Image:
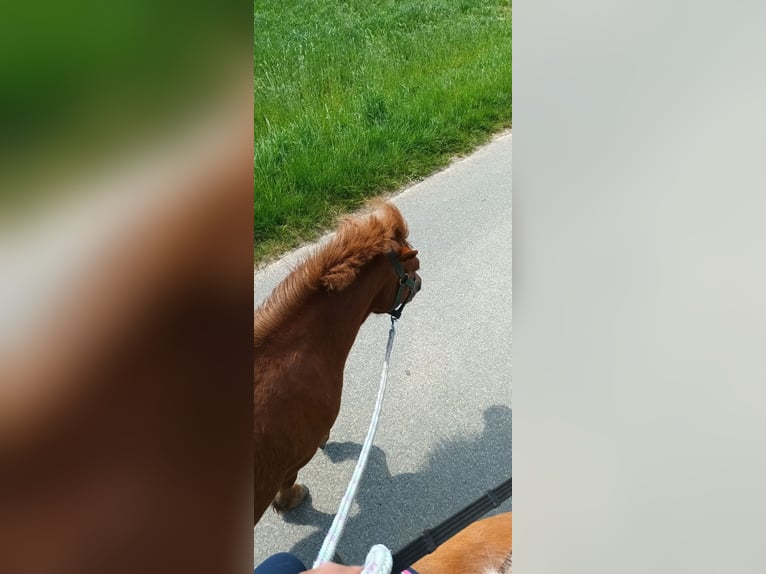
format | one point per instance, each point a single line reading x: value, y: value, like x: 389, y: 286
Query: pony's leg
x: 290, y: 495
x: 325, y: 438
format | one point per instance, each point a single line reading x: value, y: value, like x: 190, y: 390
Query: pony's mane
x: 505, y: 568
x: 335, y: 265
x: 478, y: 563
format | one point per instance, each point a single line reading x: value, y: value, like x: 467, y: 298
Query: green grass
x: 85, y: 83
x: 356, y: 98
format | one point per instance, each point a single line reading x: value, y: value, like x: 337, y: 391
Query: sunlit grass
x: 356, y: 98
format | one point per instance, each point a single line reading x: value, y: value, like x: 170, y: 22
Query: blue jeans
x: 286, y: 563
x: 282, y: 563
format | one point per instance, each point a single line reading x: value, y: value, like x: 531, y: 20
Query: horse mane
x: 505, y: 568
x: 478, y: 563
x: 334, y: 266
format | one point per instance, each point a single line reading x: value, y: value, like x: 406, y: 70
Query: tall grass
x: 354, y: 98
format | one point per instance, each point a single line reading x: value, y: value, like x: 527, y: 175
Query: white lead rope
x: 379, y: 555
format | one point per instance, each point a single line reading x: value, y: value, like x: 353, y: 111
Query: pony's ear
x: 405, y: 253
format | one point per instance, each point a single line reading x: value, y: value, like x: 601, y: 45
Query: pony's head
x: 374, y: 245
x: 376, y: 239
x: 404, y: 283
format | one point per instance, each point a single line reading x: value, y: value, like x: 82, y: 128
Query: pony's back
x: 483, y: 547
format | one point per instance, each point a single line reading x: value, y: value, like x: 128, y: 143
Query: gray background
x: 445, y: 433
x: 639, y: 287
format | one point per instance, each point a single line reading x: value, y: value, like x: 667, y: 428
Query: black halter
x: 404, y: 281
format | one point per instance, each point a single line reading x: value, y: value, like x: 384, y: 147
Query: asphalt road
x: 444, y: 436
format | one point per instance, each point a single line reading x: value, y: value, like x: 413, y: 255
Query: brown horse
x: 483, y: 547
x: 302, y: 336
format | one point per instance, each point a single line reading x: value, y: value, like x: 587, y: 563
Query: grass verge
x: 356, y: 98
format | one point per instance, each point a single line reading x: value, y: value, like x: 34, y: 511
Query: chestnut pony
x: 483, y: 547
x: 303, y: 334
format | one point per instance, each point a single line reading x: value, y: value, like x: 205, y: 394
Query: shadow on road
x: 393, y: 510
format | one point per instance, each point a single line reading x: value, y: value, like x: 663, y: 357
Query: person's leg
x: 282, y: 563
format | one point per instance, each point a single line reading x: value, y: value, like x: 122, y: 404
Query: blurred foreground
x: 125, y: 289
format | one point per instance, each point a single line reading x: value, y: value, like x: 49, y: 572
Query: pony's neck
x: 339, y: 316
